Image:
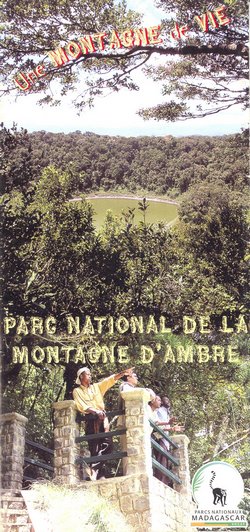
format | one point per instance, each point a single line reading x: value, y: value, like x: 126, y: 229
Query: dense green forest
x: 162, y: 165
x: 55, y: 263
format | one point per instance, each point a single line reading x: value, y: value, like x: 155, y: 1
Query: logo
x: 218, y: 489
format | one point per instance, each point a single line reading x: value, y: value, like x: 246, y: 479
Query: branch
x: 239, y: 50
x: 229, y: 446
x: 152, y: 112
x: 224, y: 425
x: 214, y: 111
x: 213, y: 89
x: 233, y: 443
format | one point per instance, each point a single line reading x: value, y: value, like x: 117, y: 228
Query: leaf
x: 198, y: 479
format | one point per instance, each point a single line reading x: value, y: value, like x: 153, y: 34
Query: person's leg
x: 163, y: 460
x: 166, y: 463
x: 98, y: 447
x: 157, y: 472
x: 90, y: 428
x: 105, y: 447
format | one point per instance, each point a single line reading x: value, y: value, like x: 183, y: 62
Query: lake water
x: 156, y: 212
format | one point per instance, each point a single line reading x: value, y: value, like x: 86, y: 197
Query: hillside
x: 163, y: 165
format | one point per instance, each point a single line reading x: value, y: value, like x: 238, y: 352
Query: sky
x: 116, y: 114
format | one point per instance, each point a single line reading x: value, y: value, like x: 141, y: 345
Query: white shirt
x: 126, y: 387
x: 163, y: 415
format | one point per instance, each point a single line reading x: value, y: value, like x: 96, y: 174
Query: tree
x: 31, y: 30
x: 64, y: 271
x: 208, y: 67
x: 18, y: 173
x: 211, y: 250
x: 216, y: 229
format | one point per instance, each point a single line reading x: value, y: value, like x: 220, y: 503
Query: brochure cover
x: 124, y: 211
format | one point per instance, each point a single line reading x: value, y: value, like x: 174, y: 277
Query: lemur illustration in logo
x: 220, y: 495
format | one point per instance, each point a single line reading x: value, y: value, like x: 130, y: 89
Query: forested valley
x: 162, y: 165
x: 55, y: 263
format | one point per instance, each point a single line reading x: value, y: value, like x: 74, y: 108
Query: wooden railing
x: 37, y: 462
x: 115, y: 455
x: 156, y: 465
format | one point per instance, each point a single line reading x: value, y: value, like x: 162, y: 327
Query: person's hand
x: 101, y: 415
x: 128, y: 371
x: 121, y: 374
x: 164, y: 425
x: 179, y: 428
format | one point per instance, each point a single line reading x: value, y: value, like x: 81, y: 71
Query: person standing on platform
x: 89, y: 399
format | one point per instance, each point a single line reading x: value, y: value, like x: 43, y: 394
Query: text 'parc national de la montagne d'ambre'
x: 87, y: 334
x: 90, y: 45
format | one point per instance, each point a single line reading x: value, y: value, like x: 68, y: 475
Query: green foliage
x: 33, y: 391
x: 208, y: 67
x: 163, y: 165
x: 204, y: 73
x: 55, y: 262
x: 29, y: 31
x: 212, y: 234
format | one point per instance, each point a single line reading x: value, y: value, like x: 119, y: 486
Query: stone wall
x: 147, y: 504
x: 65, y: 449
x: 169, y: 508
x: 137, y: 439
x: 14, y: 514
x: 12, y: 430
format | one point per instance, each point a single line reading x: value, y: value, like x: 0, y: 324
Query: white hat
x: 152, y: 394
x: 80, y: 371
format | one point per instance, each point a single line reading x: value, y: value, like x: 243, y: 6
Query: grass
x: 74, y: 508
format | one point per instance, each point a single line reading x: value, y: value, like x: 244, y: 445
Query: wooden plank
x: 102, y: 458
x: 83, y: 417
x: 166, y: 471
x: 39, y: 446
x: 38, y: 463
x: 115, y: 412
x: 163, y: 434
x: 164, y: 452
x: 100, y: 435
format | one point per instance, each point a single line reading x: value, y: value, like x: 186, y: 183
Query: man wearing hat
x: 89, y: 400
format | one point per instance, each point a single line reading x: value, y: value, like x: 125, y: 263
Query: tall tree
x: 209, y: 50
x: 211, y: 60
x: 211, y: 243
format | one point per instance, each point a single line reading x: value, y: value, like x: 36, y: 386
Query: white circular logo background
x: 217, y: 485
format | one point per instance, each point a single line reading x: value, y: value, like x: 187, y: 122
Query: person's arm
x: 83, y: 406
x: 105, y: 384
x: 100, y: 413
x: 128, y: 371
x: 164, y: 424
x: 177, y: 428
x: 172, y: 420
x: 79, y: 401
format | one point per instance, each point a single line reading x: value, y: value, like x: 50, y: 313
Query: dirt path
x: 107, y: 196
